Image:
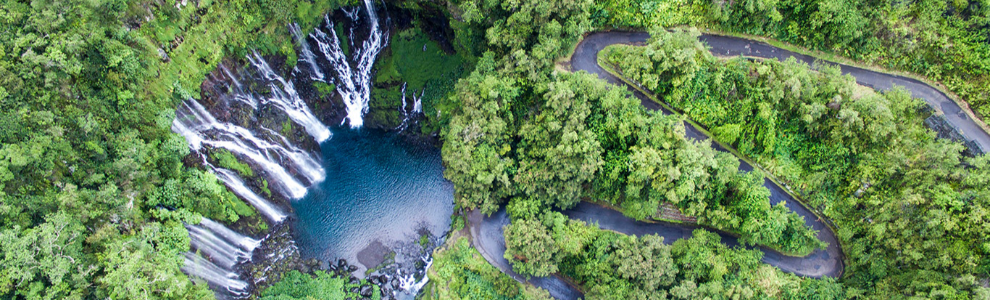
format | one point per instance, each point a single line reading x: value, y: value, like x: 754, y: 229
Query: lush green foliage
x: 945, y: 41
x: 93, y: 189
x: 227, y: 160
x: 460, y: 272
x: 648, y: 162
x: 321, y: 285
x: 909, y: 207
x: 530, y: 248
x: 543, y: 138
x: 487, y: 108
x: 615, y: 266
x: 431, y: 74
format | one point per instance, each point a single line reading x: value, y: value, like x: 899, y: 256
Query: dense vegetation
x: 945, y: 41
x: 544, y: 138
x: 615, y: 266
x: 319, y: 285
x: 909, y: 207
x: 460, y: 272
x: 93, y: 188
x: 424, y: 68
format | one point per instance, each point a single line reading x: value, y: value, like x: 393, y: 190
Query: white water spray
x: 245, y: 243
x: 237, y: 186
x: 353, y: 83
x: 307, y: 54
x: 285, y: 97
x: 223, y: 252
x: 408, y: 282
x: 418, y: 101
x: 225, y: 249
x: 202, y: 268
x: 416, y: 109
x: 197, y: 125
x: 403, y: 109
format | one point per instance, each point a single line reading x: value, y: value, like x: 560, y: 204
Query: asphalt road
x: 733, y: 46
x: 487, y: 232
x: 827, y: 262
x: 487, y: 236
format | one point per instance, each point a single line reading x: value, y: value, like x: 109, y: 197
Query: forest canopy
x: 909, y: 207
x: 943, y: 41
x: 93, y: 187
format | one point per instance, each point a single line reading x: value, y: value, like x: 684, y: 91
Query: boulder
x: 366, y: 291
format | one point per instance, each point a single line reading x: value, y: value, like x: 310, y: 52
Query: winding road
x: 487, y: 230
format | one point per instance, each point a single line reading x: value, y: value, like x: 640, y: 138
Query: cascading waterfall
x: 403, y: 109
x: 223, y: 252
x: 228, y: 280
x: 237, y: 185
x: 219, y: 254
x: 418, y: 102
x: 289, y: 168
x: 225, y: 249
x: 245, y: 243
x: 197, y: 124
x: 307, y: 54
x: 286, y: 98
x: 353, y: 82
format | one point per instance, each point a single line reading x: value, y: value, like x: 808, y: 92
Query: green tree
x: 476, y: 147
x: 646, y: 260
x: 296, y: 285
x: 559, y: 155
x: 530, y: 248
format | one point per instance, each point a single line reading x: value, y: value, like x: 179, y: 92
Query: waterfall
x: 408, y: 282
x: 418, y: 101
x: 351, y: 13
x: 213, y: 274
x: 353, y: 76
x: 405, y: 114
x: 307, y: 54
x: 197, y: 125
x: 285, y: 97
x: 245, y: 243
x: 221, y: 251
x: 416, y: 109
x: 225, y: 249
x: 403, y: 109
x: 237, y: 186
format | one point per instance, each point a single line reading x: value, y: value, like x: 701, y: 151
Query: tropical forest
x: 494, y: 149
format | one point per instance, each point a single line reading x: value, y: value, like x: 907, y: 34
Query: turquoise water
x: 378, y: 188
